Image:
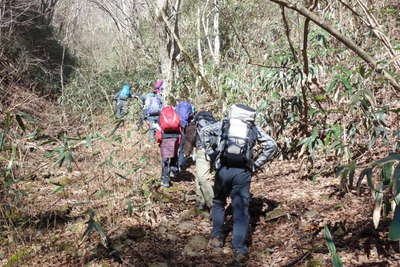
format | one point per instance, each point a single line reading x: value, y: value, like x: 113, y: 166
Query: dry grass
x: 45, y: 228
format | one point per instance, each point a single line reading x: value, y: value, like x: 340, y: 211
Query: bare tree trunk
x: 213, y: 41
x: 188, y: 58
x: 199, y: 52
x: 306, y: 71
x: 217, y: 43
x: 169, y: 50
x: 287, y: 31
x: 205, y: 23
x: 173, y: 47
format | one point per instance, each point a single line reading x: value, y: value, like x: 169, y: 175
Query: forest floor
x: 111, y: 211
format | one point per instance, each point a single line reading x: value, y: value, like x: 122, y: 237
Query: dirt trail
x: 118, y: 178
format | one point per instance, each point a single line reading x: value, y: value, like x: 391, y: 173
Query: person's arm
x: 206, y: 133
x: 268, y: 145
x: 190, y: 139
x: 116, y: 96
x: 143, y: 98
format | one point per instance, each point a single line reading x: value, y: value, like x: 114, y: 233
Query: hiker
x: 204, y: 190
x: 160, y: 86
x: 121, y: 99
x: 169, y: 138
x: 234, y: 164
x: 152, y: 105
x: 185, y: 110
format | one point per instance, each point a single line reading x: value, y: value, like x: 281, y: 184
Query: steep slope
x: 136, y: 223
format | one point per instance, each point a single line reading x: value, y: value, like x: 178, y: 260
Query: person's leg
x: 200, y: 201
x: 181, y: 155
x: 240, y: 203
x: 204, y: 190
x: 125, y: 108
x: 119, y: 107
x: 173, y: 166
x: 222, y: 188
x: 153, y: 122
x: 165, y: 171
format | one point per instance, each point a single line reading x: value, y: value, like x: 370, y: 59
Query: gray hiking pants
x: 121, y: 109
x: 153, y: 127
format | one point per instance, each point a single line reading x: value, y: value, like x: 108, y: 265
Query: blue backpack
x: 125, y: 92
x: 185, y: 111
x: 153, y: 105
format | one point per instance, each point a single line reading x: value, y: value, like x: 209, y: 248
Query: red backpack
x: 169, y: 120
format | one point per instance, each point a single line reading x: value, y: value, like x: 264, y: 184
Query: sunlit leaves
x: 93, y: 225
x: 59, y: 189
x: 388, y: 181
x: 129, y: 208
x: 347, y: 176
x: 63, y: 153
x: 332, y: 248
x: 376, y: 215
x: 311, y: 143
x: 394, y: 228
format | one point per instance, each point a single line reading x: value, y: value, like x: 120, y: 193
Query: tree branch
x: 346, y: 41
x: 287, y: 31
x: 189, y: 59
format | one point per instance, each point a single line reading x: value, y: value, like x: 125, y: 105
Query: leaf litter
x: 137, y: 223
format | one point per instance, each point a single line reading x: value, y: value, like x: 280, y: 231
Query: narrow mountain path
x: 135, y: 222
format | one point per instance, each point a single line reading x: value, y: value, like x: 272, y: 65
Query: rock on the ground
x: 185, y: 227
x: 195, y: 245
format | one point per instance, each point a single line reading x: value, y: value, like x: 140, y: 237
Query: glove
x: 209, y: 151
x: 256, y: 168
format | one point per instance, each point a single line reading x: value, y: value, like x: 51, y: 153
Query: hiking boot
x: 239, y: 258
x: 216, y: 242
x: 174, y: 172
x: 165, y: 184
x: 200, y: 206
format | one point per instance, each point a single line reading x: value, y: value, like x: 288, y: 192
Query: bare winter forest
x: 78, y: 188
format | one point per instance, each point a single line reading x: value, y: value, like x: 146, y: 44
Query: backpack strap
x: 170, y: 135
x: 252, y: 135
x: 225, y: 128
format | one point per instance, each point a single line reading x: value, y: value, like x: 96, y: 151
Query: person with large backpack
x: 168, y: 137
x: 204, y: 190
x: 121, y: 101
x: 152, y: 105
x: 235, y: 163
x: 185, y: 110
